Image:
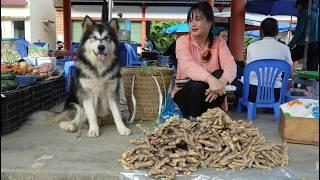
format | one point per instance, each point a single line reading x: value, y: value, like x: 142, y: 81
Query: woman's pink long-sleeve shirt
x: 190, y: 65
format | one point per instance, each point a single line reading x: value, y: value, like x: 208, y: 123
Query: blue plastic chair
x: 267, y: 71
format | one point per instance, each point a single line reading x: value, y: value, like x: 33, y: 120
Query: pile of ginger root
x: 214, y: 140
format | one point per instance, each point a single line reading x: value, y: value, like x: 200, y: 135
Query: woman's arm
x: 186, y: 64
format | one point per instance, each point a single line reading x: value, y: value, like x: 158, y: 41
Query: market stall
x: 28, y: 83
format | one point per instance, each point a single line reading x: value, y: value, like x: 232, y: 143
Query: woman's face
x: 198, y: 24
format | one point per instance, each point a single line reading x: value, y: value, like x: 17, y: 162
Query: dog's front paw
x: 93, y: 132
x: 124, y: 131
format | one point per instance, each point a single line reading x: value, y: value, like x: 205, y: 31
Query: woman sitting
x: 206, y: 61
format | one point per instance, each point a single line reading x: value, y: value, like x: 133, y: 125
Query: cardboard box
x: 299, y: 130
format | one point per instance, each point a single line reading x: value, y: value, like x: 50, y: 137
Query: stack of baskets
x: 145, y: 89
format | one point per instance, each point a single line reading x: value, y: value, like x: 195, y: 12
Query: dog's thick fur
x: 96, y: 84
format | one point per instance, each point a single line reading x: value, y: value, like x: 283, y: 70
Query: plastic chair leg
x: 251, y: 111
x: 276, y: 110
x: 240, y: 107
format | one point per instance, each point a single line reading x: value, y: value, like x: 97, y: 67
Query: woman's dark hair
x: 206, y: 9
x: 269, y: 27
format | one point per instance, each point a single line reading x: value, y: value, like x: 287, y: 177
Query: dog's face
x: 99, y: 41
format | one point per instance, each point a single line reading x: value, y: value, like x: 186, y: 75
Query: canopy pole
x: 237, y: 29
x: 144, y: 26
x: 306, y: 43
x: 110, y: 10
x: 67, y: 24
x: 289, y: 31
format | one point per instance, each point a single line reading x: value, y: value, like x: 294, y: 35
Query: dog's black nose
x: 101, y: 47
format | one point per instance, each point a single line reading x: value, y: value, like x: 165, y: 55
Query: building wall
x: 133, y: 13
x: 169, y: 13
x: 130, y: 11
x: 28, y: 30
x: 19, y: 11
x: 10, y: 14
x: 7, y: 29
x: 41, y: 10
x: 59, y: 24
x: 32, y: 14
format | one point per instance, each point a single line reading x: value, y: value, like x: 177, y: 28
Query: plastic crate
x: 26, y: 80
x: 13, y: 106
x: 46, y: 94
x: 18, y: 104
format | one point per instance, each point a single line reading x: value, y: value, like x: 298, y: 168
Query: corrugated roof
x: 141, y: 2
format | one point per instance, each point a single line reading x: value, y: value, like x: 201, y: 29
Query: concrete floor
x: 41, y: 150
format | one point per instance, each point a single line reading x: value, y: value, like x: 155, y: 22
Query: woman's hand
x: 211, y: 96
x: 217, y: 86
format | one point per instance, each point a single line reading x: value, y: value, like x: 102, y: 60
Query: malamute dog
x: 96, y: 84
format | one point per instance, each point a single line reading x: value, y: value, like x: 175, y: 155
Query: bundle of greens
x: 10, y: 56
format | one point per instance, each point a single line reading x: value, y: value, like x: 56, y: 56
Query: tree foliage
x: 161, y: 40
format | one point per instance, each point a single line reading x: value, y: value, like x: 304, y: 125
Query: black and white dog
x: 96, y: 84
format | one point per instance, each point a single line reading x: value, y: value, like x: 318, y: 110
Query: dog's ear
x: 114, y: 25
x: 87, y: 23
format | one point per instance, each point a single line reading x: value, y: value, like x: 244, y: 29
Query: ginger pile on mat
x: 215, y: 141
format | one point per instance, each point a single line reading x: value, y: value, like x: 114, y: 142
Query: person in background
x: 59, y: 47
x: 266, y: 48
x: 204, y: 60
x: 297, y: 42
x: 171, y: 52
x: 221, y: 32
x: 151, y: 45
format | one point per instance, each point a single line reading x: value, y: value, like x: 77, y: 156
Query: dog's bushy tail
x: 52, y: 117
x: 44, y: 117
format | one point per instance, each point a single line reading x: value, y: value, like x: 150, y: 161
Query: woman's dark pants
x: 191, y: 99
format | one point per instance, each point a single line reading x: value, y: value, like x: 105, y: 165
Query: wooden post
x: 144, y: 27
x: 67, y: 24
x: 237, y: 29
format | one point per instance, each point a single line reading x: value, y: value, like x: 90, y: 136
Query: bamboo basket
x: 145, y: 89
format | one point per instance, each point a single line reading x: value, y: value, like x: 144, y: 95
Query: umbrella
x: 272, y: 7
x: 251, y: 19
x: 282, y: 7
x: 177, y: 29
